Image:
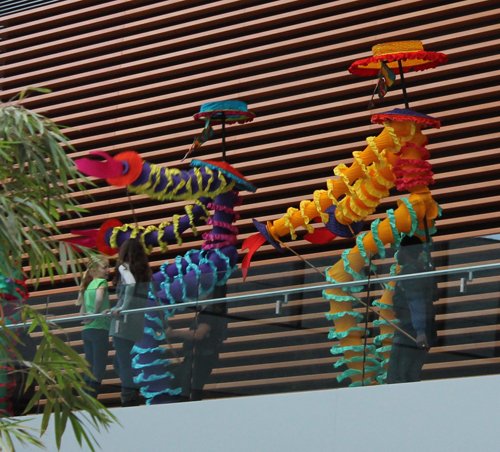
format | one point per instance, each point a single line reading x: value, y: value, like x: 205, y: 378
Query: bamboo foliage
x: 35, y: 193
x: 57, y: 371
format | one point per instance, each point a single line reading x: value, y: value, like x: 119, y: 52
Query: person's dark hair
x: 132, y: 253
x: 411, y: 246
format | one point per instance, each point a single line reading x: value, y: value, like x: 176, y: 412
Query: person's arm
x: 415, y: 293
x: 129, y: 280
x: 99, y: 299
x: 189, y: 335
x: 126, y: 274
x: 418, y: 318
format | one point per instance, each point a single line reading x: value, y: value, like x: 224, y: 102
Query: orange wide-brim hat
x: 411, y: 54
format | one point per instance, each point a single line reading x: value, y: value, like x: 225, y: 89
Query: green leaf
x: 77, y: 428
x: 63, y: 256
x: 8, y: 442
x: 47, y: 411
x: 57, y: 424
x: 15, y: 429
x: 71, y: 258
x: 65, y: 412
x: 34, y: 400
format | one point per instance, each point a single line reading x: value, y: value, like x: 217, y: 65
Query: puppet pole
x: 358, y: 299
x: 223, y: 136
x: 403, y: 86
x: 366, y: 317
x: 385, y: 318
x: 131, y: 204
x: 303, y: 259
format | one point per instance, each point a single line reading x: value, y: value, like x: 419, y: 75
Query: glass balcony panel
x: 465, y: 308
x: 278, y: 342
x: 278, y: 333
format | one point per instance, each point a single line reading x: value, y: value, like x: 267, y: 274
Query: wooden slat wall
x: 128, y: 76
x: 16, y: 6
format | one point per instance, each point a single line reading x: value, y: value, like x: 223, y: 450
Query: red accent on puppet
x: 253, y: 243
x: 86, y: 237
x: 226, y: 167
x: 133, y: 164
x: 102, y: 246
x: 320, y: 236
x: 97, y: 168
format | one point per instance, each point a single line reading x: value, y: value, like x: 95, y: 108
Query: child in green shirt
x: 94, y: 299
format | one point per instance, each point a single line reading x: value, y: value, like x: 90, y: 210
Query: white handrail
x: 285, y: 292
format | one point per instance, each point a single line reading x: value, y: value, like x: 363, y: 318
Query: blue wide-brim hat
x: 339, y: 229
x: 229, y: 111
x: 263, y: 230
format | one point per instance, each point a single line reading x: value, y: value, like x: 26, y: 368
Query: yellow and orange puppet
x: 396, y: 157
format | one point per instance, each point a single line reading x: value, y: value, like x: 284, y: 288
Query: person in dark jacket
x: 201, y: 347
x: 413, y: 305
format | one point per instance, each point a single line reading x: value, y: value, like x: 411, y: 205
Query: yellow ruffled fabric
x: 349, y: 211
x: 161, y: 231
x: 145, y: 232
x: 340, y: 171
x: 370, y: 175
x: 330, y: 183
x: 175, y: 221
x: 142, y: 232
x: 317, y: 196
x: 189, y: 211
x: 172, y: 189
x: 116, y: 230
x: 288, y: 223
x: 303, y: 206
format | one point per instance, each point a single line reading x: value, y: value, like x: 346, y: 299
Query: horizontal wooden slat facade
x: 16, y: 6
x: 125, y: 75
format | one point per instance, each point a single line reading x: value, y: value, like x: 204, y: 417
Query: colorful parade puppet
x: 397, y: 157
x: 13, y: 293
x: 213, y: 186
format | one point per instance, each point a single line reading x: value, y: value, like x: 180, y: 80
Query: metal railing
x: 469, y: 271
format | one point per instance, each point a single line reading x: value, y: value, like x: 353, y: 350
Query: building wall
x: 410, y: 417
x: 125, y: 75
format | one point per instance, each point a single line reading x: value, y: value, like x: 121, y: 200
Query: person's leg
x: 405, y: 363
x: 398, y: 361
x: 88, y: 348
x: 123, y: 359
x: 96, y: 345
x: 116, y: 362
x: 182, y: 377
x: 202, y: 368
x: 417, y: 359
x: 101, y: 347
x: 394, y: 371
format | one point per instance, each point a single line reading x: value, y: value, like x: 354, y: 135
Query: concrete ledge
x: 445, y: 415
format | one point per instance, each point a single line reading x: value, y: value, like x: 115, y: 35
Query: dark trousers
x: 123, y: 367
x: 406, y: 362
x: 193, y: 373
x: 96, y: 346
